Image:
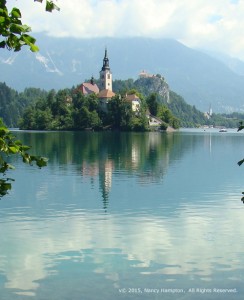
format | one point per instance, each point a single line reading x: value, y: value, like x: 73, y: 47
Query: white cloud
x: 28, y: 257
x: 216, y: 25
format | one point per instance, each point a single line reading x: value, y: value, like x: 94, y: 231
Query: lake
x: 125, y: 216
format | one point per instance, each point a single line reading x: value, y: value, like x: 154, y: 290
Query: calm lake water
x: 125, y: 216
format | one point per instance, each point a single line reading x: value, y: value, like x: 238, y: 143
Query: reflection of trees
x: 99, y: 154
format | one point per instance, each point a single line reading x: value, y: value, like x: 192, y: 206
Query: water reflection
x: 107, y: 155
x: 189, y: 249
x: 170, y: 217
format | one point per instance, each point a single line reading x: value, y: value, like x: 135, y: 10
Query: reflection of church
x: 105, y: 180
x: 103, y: 168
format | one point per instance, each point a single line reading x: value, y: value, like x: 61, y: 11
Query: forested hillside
x: 12, y: 103
x: 69, y: 109
x: 62, y: 62
x: 188, y: 115
x: 39, y: 109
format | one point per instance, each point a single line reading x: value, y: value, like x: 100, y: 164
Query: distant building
x: 105, y: 74
x: 104, y: 96
x: 134, y: 101
x: 209, y: 113
x: 106, y: 87
x: 87, y: 88
x: 106, y: 84
x: 144, y: 74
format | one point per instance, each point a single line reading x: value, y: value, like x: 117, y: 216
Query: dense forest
x: 70, y: 110
x: 13, y: 104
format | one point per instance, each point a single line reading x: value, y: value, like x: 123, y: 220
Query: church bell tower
x: 105, y: 74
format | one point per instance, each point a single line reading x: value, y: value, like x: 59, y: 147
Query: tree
x: 152, y: 104
x: 166, y: 115
x: 9, y: 146
x: 14, y: 33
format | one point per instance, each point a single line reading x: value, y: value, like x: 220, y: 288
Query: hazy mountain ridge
x: 201, y: 79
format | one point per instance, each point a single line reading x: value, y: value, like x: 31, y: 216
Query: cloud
x: 28, y: 257
x: 214, y: 25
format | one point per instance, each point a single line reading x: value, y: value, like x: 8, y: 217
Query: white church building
x: 106, y: 87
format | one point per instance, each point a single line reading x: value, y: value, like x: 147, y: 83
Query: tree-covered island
x: 144, y: 104
x: 129, y: 105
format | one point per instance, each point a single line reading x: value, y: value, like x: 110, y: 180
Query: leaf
x: 240, y: 162
x: 50, y: 6
x: 2, y: 44
x: 26, y: 158
x: 241, y: 126
x: 34, y: 48
x: 10, y: 167
x: 15, y: 13
x: 28, y: 38
x: 25, y: 148
x: 41, y: 161
x: 30, y: 41
x: 3, y: 130
x: 14, y: 149
x: 17, y: 28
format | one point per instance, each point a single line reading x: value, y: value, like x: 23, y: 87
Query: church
x: 105, y: 93
x: 106, y: 82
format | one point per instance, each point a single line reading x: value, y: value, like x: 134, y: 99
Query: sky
x: 214, y: 25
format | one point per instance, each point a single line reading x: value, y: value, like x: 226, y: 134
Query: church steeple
x: 105, y: 61
x: 105, y: 73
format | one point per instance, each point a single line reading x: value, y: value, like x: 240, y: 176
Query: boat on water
x: 223, y: 130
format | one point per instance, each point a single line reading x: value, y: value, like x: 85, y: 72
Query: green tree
x: 167, y: 117
x: 43, y: 119
x: 14, y: 33
x: 10, y: 146
x: 28, y: 119
x: 139, y: 122
x: 152, y: 104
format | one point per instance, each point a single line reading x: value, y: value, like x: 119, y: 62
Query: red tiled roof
x: 88, y: 88
x: 132, y: 97
x: 106, y: 94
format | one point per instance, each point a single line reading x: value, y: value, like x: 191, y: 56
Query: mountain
x: 235, y: 64
x: 199, y: 78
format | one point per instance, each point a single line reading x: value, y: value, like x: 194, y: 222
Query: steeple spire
x: 105, y: 73
x: 105, y: 61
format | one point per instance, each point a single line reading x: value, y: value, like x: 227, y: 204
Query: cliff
x: 153, y: 84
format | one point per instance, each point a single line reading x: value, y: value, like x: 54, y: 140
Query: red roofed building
x: 134, y: 101
x: 106, y: 82
x: 104, y: 96
x: 87, y: 88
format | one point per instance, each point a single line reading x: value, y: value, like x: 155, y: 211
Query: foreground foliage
x: 241, y: 127
x: 14, y: 33
x: 10, y: 146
